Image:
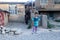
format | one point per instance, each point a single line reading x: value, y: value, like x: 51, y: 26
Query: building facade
x: 49, y: 7
x: 17, y: 11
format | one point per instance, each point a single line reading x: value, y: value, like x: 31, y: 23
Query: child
x: 35, y: 21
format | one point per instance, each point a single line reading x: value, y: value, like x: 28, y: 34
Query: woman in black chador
x: 27, y: 15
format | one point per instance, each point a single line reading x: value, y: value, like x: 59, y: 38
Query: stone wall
x: 44, y: 21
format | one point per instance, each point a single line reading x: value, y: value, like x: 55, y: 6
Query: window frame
x: 43, y: 2
x: 13, y: 8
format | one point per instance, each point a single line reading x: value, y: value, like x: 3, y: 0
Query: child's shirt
x: 36, y: 21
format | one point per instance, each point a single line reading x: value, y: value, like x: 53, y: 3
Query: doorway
x: 51, y: 15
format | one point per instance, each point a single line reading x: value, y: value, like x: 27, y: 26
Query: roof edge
x: 12, y: 2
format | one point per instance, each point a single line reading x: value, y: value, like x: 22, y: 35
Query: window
x: 57, y: 2
x: 13, y: 8
x: 43, y: 2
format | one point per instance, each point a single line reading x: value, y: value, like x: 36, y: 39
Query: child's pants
x: 35, y: 29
